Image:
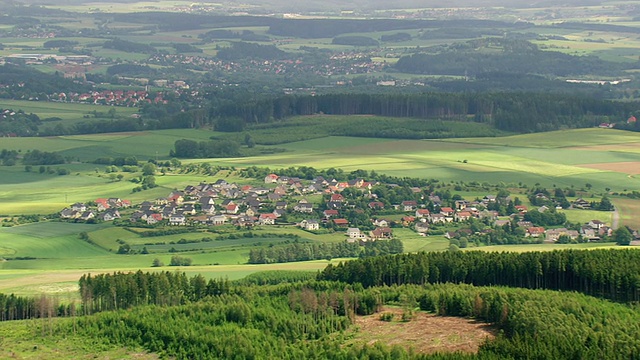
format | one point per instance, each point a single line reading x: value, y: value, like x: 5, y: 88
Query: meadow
x: 603, y: 158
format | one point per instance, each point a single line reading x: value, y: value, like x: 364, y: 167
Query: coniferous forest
x: 542, y: 305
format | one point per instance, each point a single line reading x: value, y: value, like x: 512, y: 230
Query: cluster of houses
x: 343, y: 63
x: 221, y: 202
x: 103, y: 210
x: 112, y: 97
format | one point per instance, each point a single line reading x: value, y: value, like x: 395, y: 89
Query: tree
x: 149, y: 169
x: 157, y: 263
x: 622, y: 236
x: 149, y: 181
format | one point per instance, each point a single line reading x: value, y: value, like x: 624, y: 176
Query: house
x: 281, y: 205
x: 447, y: 211
x: 334, y: 204
x: 79, y: 207
x: 267, y: 219
x: 357, y: 183
x: 176, y: 197
x: 590, y: 233
x: 231, y: 208
x: 208, y: 209
x: 535, y: 231
x: 489, y: 198
x: 501, y: 223
x: 310, y: 225
x: 218, y: 219
x: 525, y: 224
x: 303, y: 207
x: 382, y: 233
x: 581, y: 203
x: 86, y: 215
x: 189, y: 209
x: 341, y: 222
x: 109, y: 215
x: 336, y: 197
x: 408, y: 220
x: 102, y: 204
x: 422, y: 213
x: 552, y: 235
x: 280, y: 190
x: 329, y: 213
x: 245, y: 221
x: 461, y: 204
x: 596, y: 224
x: 177, y: 220
x: 438, y: 219
x: 67, y: 213
x: 435, y: 200
x: 422, y: 227
x: 521, y: 209
x: 409, y: 205
x: 154, y: 219
x: 380, y: 222
x: 462, y: 216
x: 271, y: 179
x: 354, y: 234
x: 206, y: 200
x: 376, y: 205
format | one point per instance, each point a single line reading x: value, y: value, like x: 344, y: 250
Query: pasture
x: 602, y: 157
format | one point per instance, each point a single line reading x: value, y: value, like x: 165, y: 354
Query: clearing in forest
x: 425, y: 333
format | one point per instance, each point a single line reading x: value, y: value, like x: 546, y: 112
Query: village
x: 349, y: 207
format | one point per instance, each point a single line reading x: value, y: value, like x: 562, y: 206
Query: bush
x: 157, y: 263
x: 386, y: 317
x: 180, y: 261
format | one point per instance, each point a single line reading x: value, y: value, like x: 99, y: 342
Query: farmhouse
x: 381, y: 233
x: 409, y: 205
x: 267, y: 219
x: 177, y: 220
x: 310, y: 225
x: 354, y: 234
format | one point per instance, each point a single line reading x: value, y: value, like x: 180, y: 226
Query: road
x: 615, y: 219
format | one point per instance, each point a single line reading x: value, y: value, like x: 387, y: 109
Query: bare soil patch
x: 626, y: 167
x: 425, y: 333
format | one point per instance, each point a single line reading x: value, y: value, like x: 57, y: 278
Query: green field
x: 528, y: 159
x: 562, y: 158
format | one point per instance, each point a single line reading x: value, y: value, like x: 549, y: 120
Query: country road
x: 615, y: 219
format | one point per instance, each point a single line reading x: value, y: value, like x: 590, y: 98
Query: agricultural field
x: 603, y: 158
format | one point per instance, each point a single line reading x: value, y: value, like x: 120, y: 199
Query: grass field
x: 596, y: 156
x: 582, y: 157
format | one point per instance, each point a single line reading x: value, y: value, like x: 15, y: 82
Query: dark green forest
x: 509, y: 111
x: 610, y: 274
x: 288, y: 315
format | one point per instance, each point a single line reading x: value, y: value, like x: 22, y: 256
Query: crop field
x: 629, y: 212
x: 604, y: 158
x: 609, y: 161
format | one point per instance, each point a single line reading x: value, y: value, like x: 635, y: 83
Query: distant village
x: 282, y: 201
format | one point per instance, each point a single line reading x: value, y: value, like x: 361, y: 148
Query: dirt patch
x: 626, y: 167
x: 425, y: 333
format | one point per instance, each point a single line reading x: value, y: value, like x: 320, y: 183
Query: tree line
x: 304, y: 320
x: 105, y: 292
x: 312, y: 251
x: 513, y: 111
x: 610, y: 274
